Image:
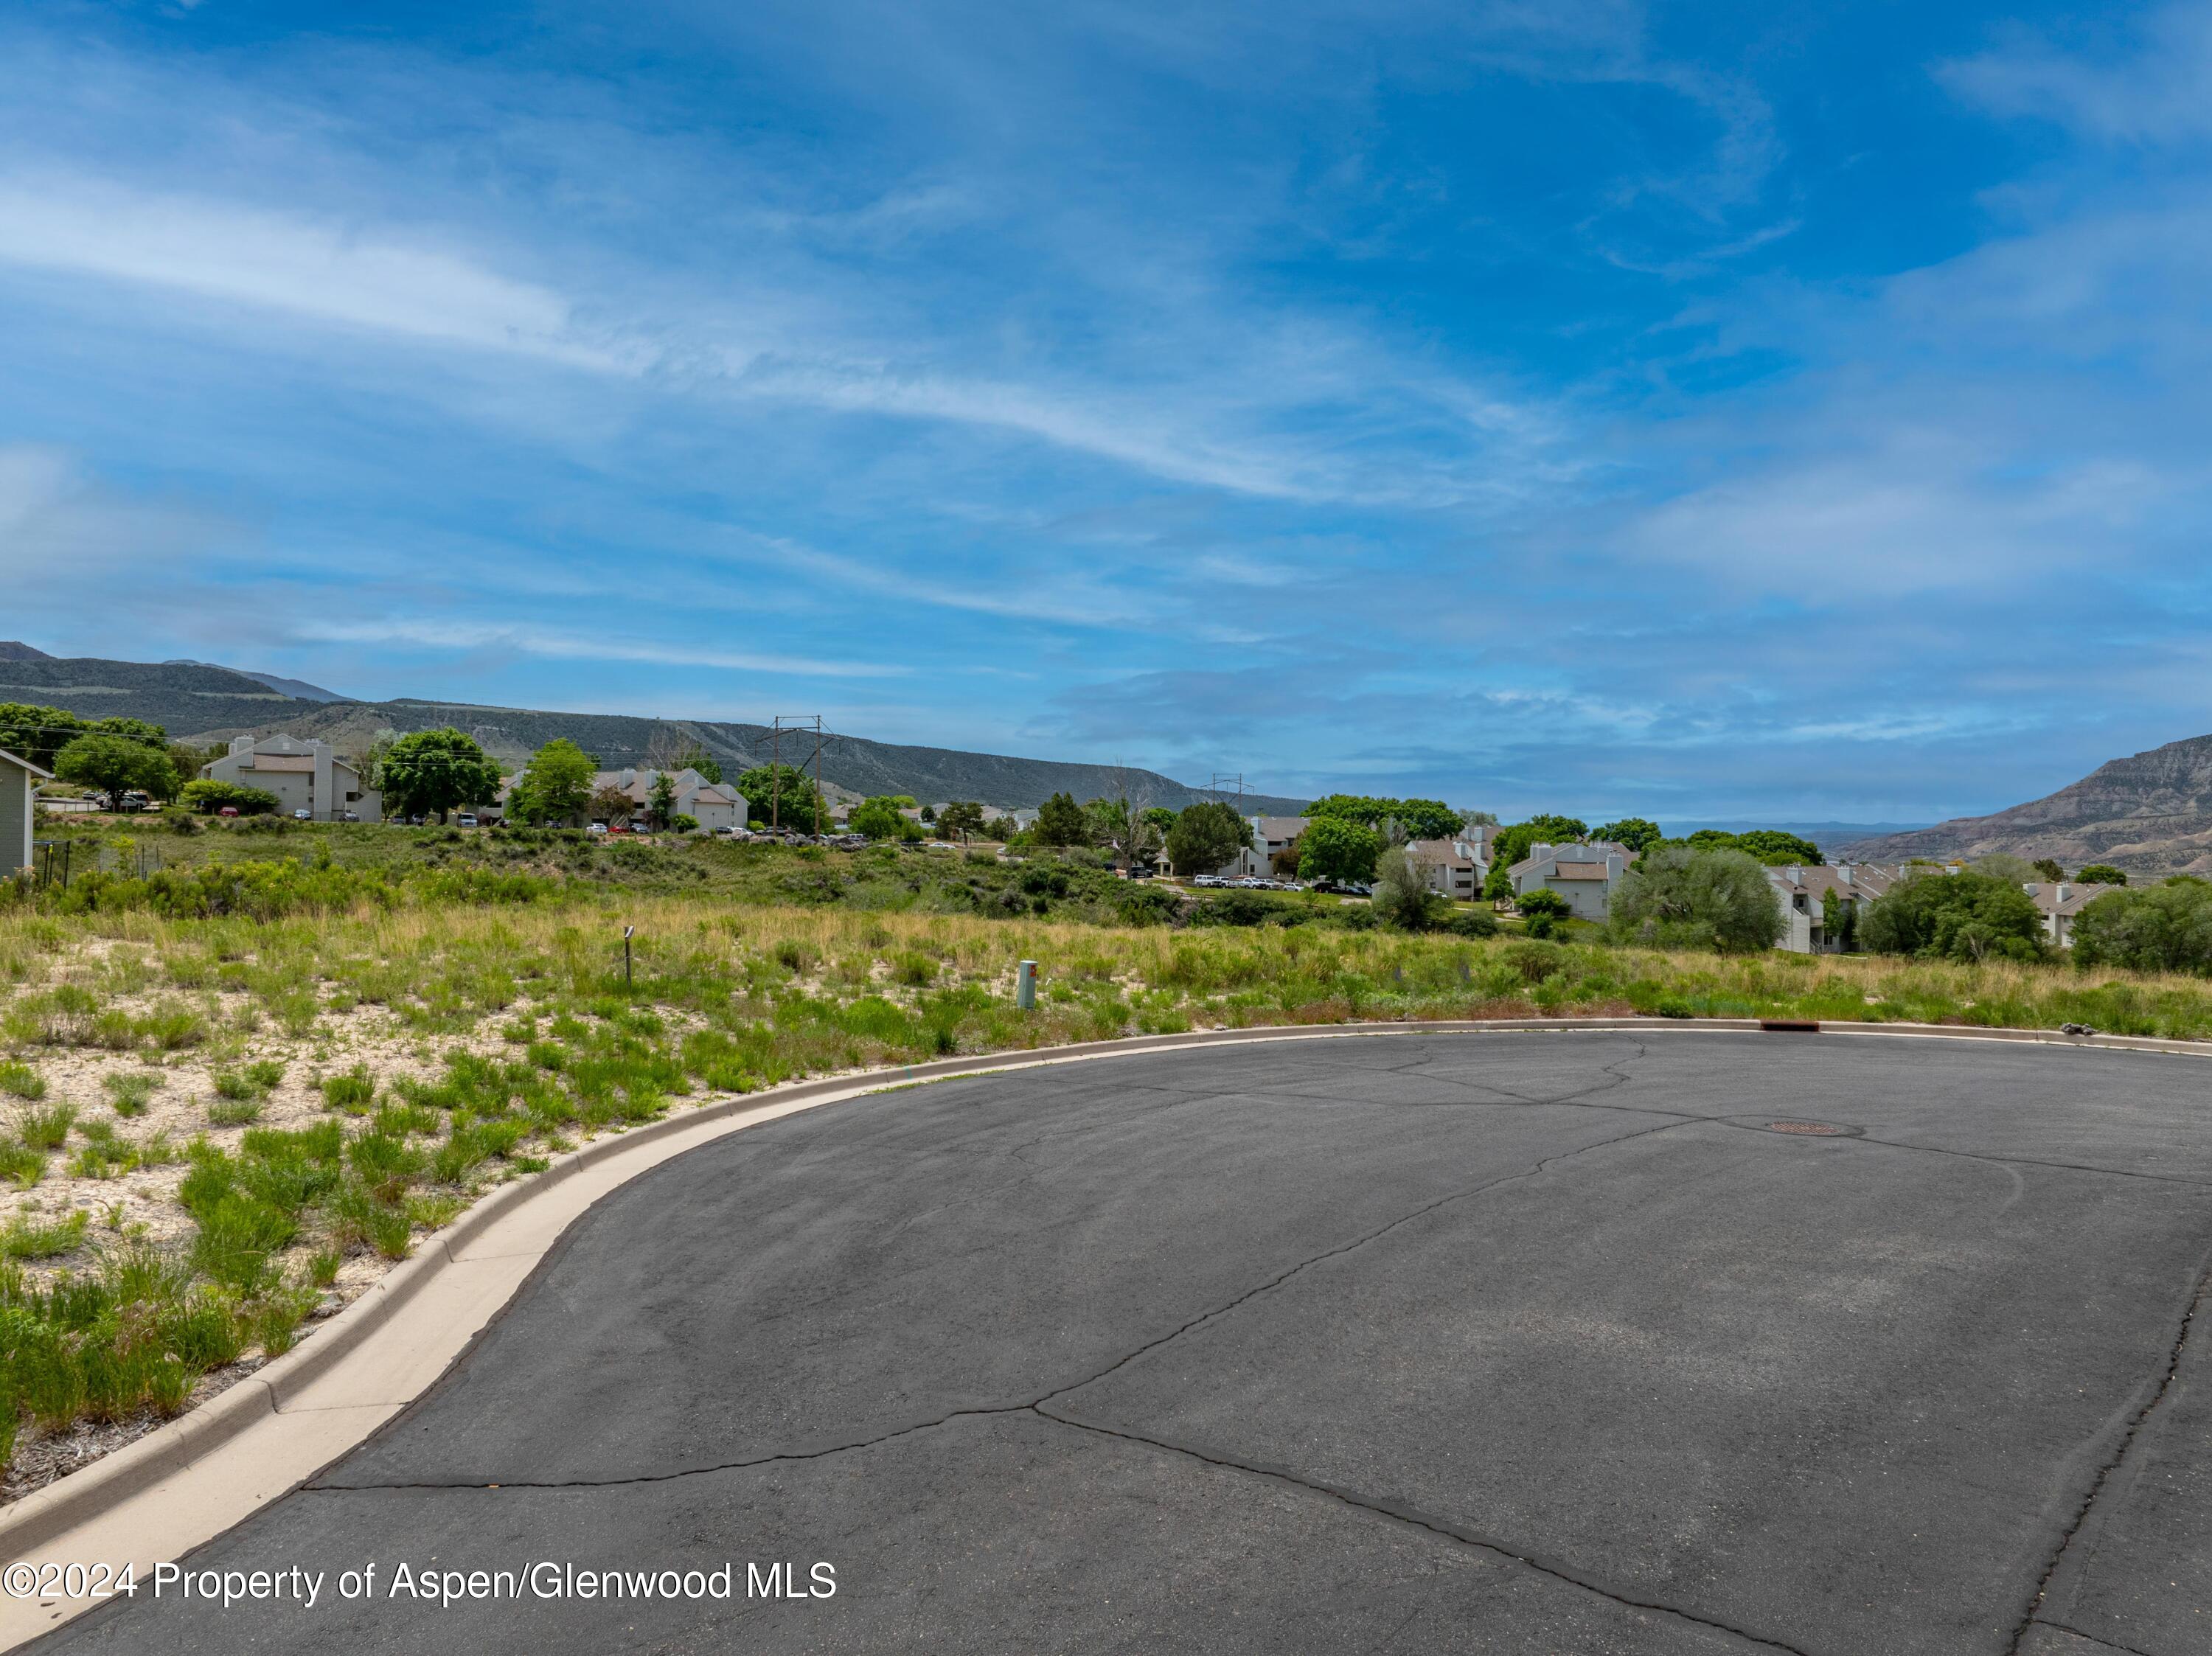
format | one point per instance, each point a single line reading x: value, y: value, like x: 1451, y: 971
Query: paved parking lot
x: 1586, y: 1343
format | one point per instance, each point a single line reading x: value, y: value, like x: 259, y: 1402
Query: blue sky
x: 1712, y: 411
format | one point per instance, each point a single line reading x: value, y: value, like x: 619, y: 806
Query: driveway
x: 1532, y: 1343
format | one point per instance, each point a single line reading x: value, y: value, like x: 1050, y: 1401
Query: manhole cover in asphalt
x: 1810, y: 1128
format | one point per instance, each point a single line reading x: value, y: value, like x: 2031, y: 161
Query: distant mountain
x: 297, y: 688
x: 10, y: 650
x: 2150, y: 815
x: 181, y: 697
x: 202, y: 703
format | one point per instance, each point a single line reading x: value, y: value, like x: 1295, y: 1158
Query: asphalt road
x: 1508, y: 1343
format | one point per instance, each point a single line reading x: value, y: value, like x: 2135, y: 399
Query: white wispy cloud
x: 290, y: 261
x: 2151, y: 89
x: 524, y: 640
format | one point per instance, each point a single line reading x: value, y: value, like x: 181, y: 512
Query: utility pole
x: 798, y: 724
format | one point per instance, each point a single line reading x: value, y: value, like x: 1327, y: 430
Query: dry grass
x: 257, y: 1118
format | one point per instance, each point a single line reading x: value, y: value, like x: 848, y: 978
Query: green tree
x: 2160, y: 928
x: 784, y: 795
x: 437, y: 771
x: 556, y: 785
x: 2003, y: 866
x: 1778, y: 849
x: 962, y: 818
x: 1678, y: 898
x: 1961, y: 917
x: 1060, y: 822
x: 1160, y: 818
x: 1638, y: 834
x: 661, y: 799
x: 1338, y: 850
x: 206, y: 794
x: 877, y: 818
x: 2047, y: 870
x: 2101, y: 874
x: 116, y: 764
x: 1206, y: 835
x: 1772, y: 847
x: 1839, y: 919
x: 39, y: 733
x: 1543, y: 913
x: 1417, y: 819
x: 1403, y: 896
x: 929, y: 813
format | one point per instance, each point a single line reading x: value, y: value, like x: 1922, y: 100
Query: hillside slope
x: 183, y: 696
x: 202, y: 703
x: 2151, y: 814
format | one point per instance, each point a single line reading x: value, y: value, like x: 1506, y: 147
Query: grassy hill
x: 199, y: 702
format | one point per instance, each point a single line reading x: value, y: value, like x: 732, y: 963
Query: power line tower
x: 799, y: 726
x: 1218, y: 787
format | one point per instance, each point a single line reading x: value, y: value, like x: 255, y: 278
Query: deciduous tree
x: 556, y: 785
x: 437, y: 771
x: 1060, y: 822
x: 1338, y: 850
x: 116, y: 765
x: 1206, y: 835
x: 1678, y: 898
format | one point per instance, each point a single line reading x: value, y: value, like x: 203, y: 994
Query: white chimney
x: 1843, y: 874
x: 2064, y: 891
x: 1796, y: 876
x: 241, y: 745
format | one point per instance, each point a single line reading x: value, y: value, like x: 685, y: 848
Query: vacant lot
x: 221, y: 1124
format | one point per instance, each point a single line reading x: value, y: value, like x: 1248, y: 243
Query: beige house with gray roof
x: 303, y: 775
x: 1803, y: 892
x: 1456, y: 868
x: 2059, y: 902
x: 1585, y: 875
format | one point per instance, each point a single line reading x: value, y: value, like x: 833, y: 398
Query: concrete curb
x: 48, y: 1514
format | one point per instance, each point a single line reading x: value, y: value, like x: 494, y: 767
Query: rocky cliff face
x: 2150, y: 815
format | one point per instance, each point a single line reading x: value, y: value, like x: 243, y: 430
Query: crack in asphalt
x: 321, y: 1486
x: 2088, y: 1500
x: 1122, y: 1361
x: 1446, y: 1528
x: 2092, y: 1638
x: 1339, y: 1251
x: 1585, y: 1100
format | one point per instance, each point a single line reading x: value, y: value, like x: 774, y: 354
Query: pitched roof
x: 1580, y: 871
x: 1817, y: 880
x: 2078, y: 897
x: 25, y: 764
x: 1441, y: 851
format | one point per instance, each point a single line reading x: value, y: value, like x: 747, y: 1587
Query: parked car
x: 303, y: 814
x: 596, y: 828
x: 348, y: 817
x: 466, y: 819
x: 228, y: 811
